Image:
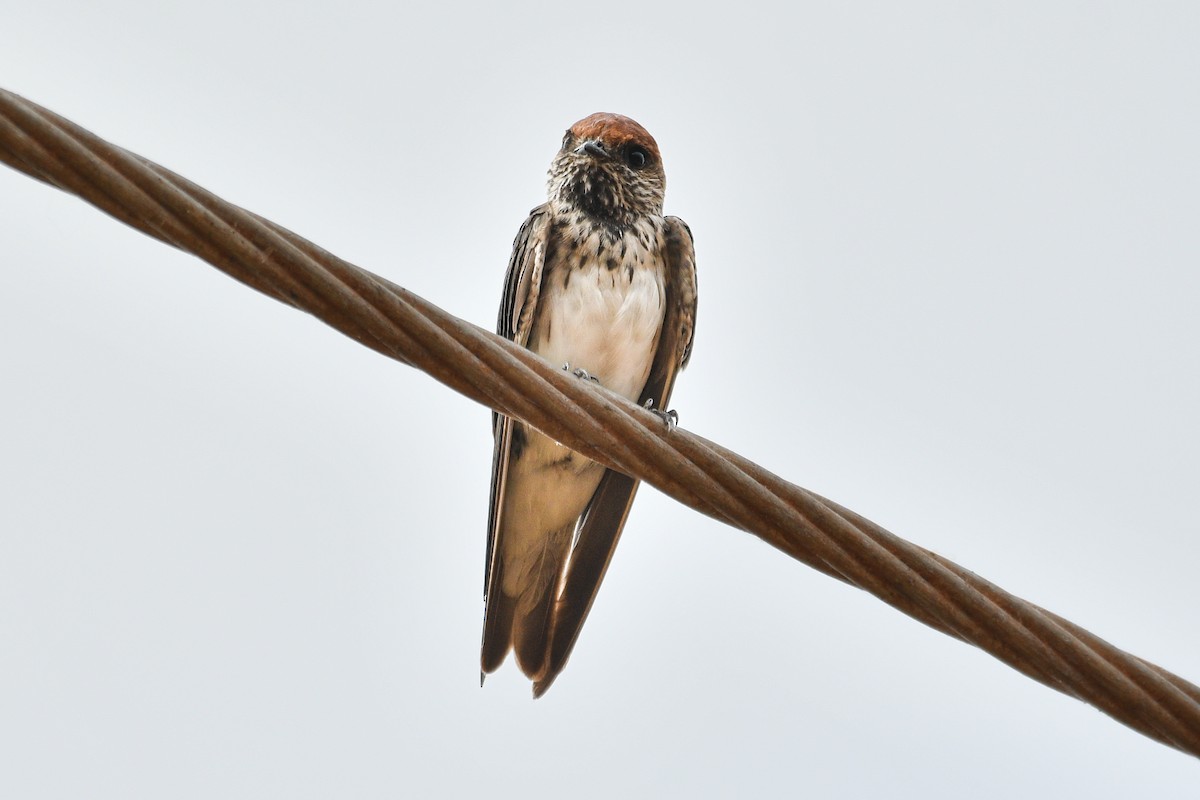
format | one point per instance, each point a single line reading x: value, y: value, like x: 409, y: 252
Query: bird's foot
x: 670, y: 417
x: 580, y: 372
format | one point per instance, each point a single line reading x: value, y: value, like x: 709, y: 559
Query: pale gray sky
x: 949, y: 277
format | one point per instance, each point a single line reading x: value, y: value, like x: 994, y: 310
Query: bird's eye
x: 636, y: 156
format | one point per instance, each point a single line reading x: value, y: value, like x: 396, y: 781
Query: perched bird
x: 602, y: 283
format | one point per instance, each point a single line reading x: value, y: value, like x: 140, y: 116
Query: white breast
x: 604, y: 314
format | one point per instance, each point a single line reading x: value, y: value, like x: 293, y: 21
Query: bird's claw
x: 670, y: 417
x: 580, y: 372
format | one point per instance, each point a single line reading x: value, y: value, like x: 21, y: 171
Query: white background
x: 949, y: 277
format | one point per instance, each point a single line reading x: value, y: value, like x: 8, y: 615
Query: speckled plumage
x: 601, y: 281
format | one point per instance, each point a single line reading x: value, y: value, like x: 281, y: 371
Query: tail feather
x: 531, y: 625
x: 498, y: 613
x: 598, y: 536
x: 530, y: 634
x: 522, y: 623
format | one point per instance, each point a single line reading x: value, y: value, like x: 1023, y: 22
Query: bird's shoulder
x: 681, y: 278
x: 523, y: 276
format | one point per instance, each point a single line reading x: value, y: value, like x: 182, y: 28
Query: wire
x: 599, y: 424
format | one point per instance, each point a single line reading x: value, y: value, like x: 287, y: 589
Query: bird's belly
x: 607, y: 322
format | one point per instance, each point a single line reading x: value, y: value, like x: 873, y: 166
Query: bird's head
x: 609, y: 168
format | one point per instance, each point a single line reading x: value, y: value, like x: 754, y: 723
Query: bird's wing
x: 523, y: 280
x: 609, y: 507
x: 522, y: 284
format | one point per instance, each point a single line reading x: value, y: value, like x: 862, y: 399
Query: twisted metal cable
x: 600, y: 424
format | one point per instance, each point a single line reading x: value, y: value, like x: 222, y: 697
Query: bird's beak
x: 592, y: 148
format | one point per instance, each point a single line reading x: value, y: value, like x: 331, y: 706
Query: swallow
x: 600, y: 282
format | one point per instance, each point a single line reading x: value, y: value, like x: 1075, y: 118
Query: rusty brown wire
x: 599, y: 424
